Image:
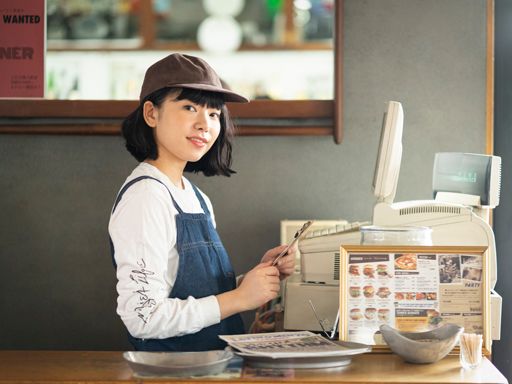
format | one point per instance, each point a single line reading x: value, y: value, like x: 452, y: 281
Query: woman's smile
x: 198, y: 141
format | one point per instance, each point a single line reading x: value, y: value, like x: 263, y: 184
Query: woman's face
x: 185, y: 131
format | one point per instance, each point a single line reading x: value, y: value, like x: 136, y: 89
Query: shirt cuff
x: 210, y: 310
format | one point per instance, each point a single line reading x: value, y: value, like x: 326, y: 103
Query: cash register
x: 465, y: 188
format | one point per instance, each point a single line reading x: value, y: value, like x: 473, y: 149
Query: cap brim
x: 229, y: 96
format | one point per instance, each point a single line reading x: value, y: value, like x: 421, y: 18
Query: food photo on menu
x: 354, y: 270
x: 356, y: 314
x: 370, y: 313
x: 449, y: 269
x: 355, y: 291
x: 472, y: 268
x: 383, y: 292
x: 368, y: 291
x: 382, y: 270
x: 406, y: 262
x: 369, y: 271
x: 383, y: 314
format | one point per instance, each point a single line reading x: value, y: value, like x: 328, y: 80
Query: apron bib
x: 204, y: 269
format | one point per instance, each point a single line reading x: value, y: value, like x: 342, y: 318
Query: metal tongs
x: 321, y: 322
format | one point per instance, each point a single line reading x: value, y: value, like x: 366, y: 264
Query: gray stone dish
x: 156, y: 364
x: 422, y: 347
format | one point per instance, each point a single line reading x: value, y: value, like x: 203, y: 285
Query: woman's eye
x: 215, y: 115
x: 190, y: 108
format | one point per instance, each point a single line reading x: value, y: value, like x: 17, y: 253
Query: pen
x: 299, y: 234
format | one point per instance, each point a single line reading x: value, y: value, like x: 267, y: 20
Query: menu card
x: 412, y: 292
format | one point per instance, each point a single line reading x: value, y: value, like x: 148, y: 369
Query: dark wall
x: 58, y: 283
x: 502, y: 350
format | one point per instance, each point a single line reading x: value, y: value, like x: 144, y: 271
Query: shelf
x: 136, y: 44
x: 147, y: 35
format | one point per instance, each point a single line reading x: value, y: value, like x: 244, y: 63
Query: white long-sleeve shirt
x: 143, y: 230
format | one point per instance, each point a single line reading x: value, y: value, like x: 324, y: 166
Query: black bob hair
x: 140, y: 141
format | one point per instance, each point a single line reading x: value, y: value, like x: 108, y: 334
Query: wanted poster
x: 22, y: 48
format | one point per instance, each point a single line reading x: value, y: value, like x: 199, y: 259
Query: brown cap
x: 178, y: 70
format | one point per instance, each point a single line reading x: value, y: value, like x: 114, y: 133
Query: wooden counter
x: 109, y: 367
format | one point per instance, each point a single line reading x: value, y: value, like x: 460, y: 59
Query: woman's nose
x: 202, y: 122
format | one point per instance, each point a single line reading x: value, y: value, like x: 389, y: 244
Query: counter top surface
x: 110, y: 367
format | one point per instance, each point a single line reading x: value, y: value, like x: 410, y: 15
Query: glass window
x: 260, y: 22
x: 267, y: 49
x: 314, y: 19
x: 91, y: 20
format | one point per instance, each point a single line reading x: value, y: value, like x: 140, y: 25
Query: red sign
x: 22, y: 48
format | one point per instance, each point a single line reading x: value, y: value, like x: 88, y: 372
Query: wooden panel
x: 120, y: 108
x: 104, y: 117
x: 65, y: 108
x: 490, y: 79
x: 338, y: 72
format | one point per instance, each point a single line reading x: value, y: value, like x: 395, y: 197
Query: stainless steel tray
x: 329, y: 361
x: 178, y: 363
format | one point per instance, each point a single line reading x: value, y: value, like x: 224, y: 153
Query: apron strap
x: 130, y: 183
x: 201, y: 200
x: 118, y: 199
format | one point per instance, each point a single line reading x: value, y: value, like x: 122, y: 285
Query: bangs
x: 203, y: 98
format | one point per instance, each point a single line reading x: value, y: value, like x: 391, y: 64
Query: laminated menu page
x: 411, y: 291
x: 285, y: 345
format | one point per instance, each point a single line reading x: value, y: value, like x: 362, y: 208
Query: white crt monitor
x: 387, y: 166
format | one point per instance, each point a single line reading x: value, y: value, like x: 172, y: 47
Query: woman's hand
x: 286, y: 264
x: 259, y: 286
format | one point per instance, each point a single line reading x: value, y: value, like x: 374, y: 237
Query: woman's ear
x: 150, y: 114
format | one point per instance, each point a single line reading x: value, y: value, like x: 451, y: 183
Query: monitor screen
x: 387, y: 166
x: 468, y: 174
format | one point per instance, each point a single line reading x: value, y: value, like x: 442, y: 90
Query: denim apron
x: 204, y: 269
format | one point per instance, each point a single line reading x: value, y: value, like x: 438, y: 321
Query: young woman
x: 176, y: 287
